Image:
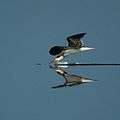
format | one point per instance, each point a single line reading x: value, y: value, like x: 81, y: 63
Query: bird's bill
x: 86, y: 48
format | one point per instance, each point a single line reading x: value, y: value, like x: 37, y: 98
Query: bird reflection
x: 70, y: 79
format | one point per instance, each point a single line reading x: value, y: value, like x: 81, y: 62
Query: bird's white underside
x: 72, y: 51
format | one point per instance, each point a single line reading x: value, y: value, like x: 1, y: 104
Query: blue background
x: 28, y: 28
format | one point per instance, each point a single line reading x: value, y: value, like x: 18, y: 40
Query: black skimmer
x: 71, y: 79
x: 75, y: 45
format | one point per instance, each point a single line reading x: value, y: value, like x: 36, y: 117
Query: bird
x: 71, y: 79
x: 75, y: 45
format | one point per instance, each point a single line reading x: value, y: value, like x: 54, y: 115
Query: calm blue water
x: 28, y: 29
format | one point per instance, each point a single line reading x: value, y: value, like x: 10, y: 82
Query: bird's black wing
x: 74, y: 40
x: 56, y: 50
x: 76, y: 36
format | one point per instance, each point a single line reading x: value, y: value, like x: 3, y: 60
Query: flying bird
x: 75, y: 45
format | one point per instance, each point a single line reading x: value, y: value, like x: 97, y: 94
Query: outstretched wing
x: 74, y: 40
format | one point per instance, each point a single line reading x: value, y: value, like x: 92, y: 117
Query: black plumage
x: 56, y: 50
